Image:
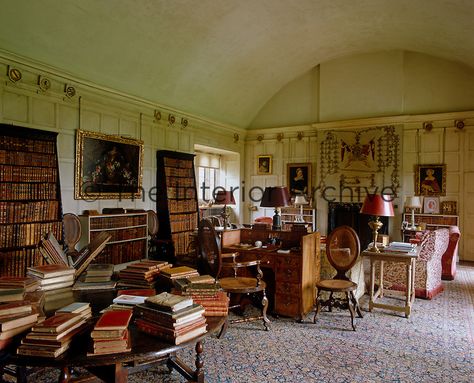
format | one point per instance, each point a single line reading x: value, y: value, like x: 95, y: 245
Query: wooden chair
x: 214, y: 262
x: 342, y: 250
x: 72, y: 233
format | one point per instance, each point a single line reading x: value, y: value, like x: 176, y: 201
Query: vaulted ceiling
x: 223, y: 59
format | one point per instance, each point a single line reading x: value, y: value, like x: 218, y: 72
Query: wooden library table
x: 408, y: 259
x: 146, y: 350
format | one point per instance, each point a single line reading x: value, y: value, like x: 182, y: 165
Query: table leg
x: 372, y: 284
x: 381, y: 279
x: 413, y: 269
x: 65, y: 375
x: 408, y: 289
x: 196, y: 376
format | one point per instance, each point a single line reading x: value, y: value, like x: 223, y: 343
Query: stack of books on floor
x: 209, y: 295
x: 98, y: 276
x: 82, y: 308
x: 141, y: 274
x: 53, y: 336
x: 52, y: 276
x: 170, y: 274
x: 173, y: 318
x: 15, y: 318
x: 110, y: 334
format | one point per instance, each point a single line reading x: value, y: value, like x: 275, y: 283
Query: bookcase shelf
x: 30, y: 200
x: 129, y: 232
x: 177, y: 206
x: 290, y: 216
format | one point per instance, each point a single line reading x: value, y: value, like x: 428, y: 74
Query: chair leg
x: 318, y: 306
x: 223, y: 329
x: 351, y: 310
x: 355, y: 302
x: 330, y: 301
x: 266, y: 321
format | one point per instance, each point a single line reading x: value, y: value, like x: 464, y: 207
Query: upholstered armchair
x: 450, y: 256
x: 427, y: 267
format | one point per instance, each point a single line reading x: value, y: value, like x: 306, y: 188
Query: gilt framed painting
x: 107, y: 167
x: 430, y: 180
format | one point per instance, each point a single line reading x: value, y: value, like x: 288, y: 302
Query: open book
x: 54, y: 254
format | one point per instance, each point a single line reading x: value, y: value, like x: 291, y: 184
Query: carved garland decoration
x: 382, y: 151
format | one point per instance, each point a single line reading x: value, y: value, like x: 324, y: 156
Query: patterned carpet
x: 436, y: 344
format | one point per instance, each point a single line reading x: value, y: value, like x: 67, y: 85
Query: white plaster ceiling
x: 224, y: 59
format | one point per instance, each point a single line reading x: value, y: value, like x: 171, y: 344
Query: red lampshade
x: 224, y: 197
x: 275, y: 196
x: 378, y: 205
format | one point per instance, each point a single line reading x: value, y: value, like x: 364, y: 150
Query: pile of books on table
x: 141, y: 274
x: 128, y: 298
x: 208, y: 294
x: 400, y: 247
x: 52, y: 276
x: 82, y: 308
x: 110, y: 334
x: 98, y: 276
x: 12, y: 288
x: 170, y: 274
x: 173, y: 318
x: 15, y: 318
x: 53, y: 336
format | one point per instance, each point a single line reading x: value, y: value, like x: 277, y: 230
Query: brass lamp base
x: 375, y: 226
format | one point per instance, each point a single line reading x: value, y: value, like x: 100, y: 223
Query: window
x: 207, y: 182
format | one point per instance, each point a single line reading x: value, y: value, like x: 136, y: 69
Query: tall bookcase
x: 129, y: 232
x: 177, y: 206
x: 30, y: 196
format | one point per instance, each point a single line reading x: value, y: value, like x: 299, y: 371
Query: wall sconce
x: 14, y: 74
x: 69, y: 91
x: 171, y: 119
x: 260, y: 137
x: 184, y: 122
x: 157, y: 115
x: 300, y: 136
x: 459, y: 124
x: 236, y: 138
x: 279, y: 137
x: 44, y: 83
x: 428, y: 126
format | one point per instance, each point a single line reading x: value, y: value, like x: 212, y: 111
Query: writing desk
x: 291, y: 277
x: 408, y: 259
x: 146, y: 350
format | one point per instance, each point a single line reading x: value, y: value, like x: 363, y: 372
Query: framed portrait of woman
x: 430, y: 180
x: 264, y: 164
x: 299, y: 178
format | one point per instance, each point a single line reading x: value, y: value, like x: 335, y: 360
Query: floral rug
x: 436, y: 344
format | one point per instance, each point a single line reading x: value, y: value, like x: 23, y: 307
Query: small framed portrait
x: 299, y: 179
x: 431, y: 205
x: 449, y: 207
x: 264, y: 164
x: 430, y: 180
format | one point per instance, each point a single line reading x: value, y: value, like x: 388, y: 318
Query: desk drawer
x: 267, y: 260
x: 288, y: 269
x: 287, y: 304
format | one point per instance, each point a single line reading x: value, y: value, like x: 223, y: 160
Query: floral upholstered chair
x: 427, y: 268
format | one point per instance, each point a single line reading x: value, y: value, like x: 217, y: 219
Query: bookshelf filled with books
x: 177, y: 206
x: 30, y: 199
x: 129, y: 236
x: 303, y: 215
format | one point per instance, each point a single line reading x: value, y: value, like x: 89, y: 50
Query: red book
x: 137, y: 292
x: 58, y: 322
x: 114, y: 320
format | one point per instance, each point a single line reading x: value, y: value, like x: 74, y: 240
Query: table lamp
x: 300, y: 200
x: 378, y: 206
x: 413, y: 203
x: 277, y: 197
x: 225, y: 198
